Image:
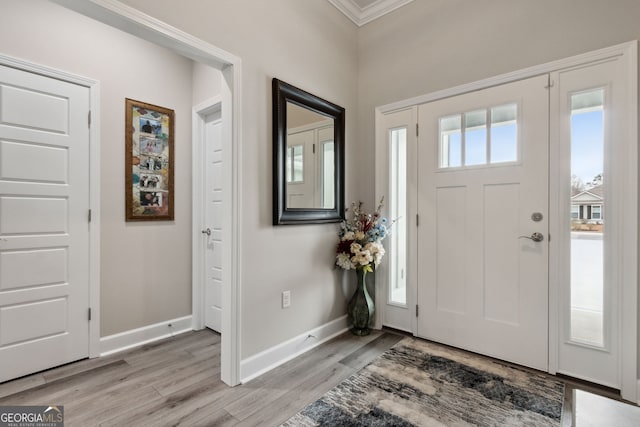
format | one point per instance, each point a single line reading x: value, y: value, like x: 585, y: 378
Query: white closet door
x: 44, y: 232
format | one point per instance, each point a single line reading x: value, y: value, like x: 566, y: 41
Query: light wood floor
x: 177, y: 382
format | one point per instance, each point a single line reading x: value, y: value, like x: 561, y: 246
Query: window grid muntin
x: 457, y: 124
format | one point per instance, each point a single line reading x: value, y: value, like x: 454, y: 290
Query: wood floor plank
x: 204, y: 418
x: 93, y: 412
x: 74, y: 368
x: 329, y: 352
x: 21, y: 384
x: 63, y: 389
x: 169, y: 410
x: 213, y: 339
x: 364, y: 355
x: 87, y: 385
x: 208, y: 369
x: 138, y: 377
x: 291, y: 376
x: 272, y: 411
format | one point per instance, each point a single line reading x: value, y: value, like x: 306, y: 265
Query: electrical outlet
x: 286, y: 299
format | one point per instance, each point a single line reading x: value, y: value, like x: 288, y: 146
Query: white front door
x: 482, y: 194
x: 213, y: 216
x: 44, y: 231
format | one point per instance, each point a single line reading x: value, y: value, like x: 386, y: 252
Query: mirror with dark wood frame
x: 308, y: 157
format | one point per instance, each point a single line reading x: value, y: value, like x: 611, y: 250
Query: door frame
x: 94, y: 183
x: 198, y: 186
x: 628, y: 300
x: 137, y: 23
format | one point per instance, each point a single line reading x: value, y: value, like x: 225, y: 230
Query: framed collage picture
x: 148, y: 162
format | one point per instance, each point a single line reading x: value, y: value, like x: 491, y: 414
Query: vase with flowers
x: 360, y: 249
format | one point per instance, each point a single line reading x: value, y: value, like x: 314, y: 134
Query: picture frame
x: 149, y: 162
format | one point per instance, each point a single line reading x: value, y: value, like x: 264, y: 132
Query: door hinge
x: 89, y: 119
x: 417, y: 220
x: 417, y: 310
x: 417, y: 129
x: 89, y: 313
x: 89, y: 215
x: 314, y: 148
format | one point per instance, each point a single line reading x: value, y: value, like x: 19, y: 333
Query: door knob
x: 536, y: 237
x: 207, y: 231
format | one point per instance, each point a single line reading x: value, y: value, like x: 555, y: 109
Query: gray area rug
x: 417, y: 383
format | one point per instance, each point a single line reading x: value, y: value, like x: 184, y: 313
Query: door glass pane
x: 398, y: 211
x: 504, y: 133
x: 288, y: 163
x: 451, y: 141
x: 475, y: 132
x: 479, y: 143
x: 328, y: 175
x: 298, y: 163
x: 588, y: 211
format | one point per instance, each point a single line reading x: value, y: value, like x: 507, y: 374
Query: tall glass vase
x: 361, y: 307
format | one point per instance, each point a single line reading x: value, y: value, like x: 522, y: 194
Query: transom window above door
x: 481, y: 137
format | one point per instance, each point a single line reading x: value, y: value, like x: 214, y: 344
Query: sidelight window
x: 295, y: 163
x: 587, y: 230
x: 398, y: 211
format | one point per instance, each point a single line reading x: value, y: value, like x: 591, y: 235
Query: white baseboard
x: 137, y: 337
x: 265, y: 361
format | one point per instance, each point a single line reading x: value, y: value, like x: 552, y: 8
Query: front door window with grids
x: 480, y: 137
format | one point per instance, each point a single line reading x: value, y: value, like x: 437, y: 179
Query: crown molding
x: 363, y: 15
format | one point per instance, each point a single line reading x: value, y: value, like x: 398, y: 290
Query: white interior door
x: 44, y: 232
x: 213, y: 214
x: 482, y: 194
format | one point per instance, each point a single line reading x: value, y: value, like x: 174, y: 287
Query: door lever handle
x: 536, y: 237
x: 207, y: 232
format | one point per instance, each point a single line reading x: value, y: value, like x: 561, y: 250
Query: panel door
x: 44, y: 232
x: 483, y: 173
x: 214, y: 200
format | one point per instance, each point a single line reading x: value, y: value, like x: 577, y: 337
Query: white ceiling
x: 363, y: 11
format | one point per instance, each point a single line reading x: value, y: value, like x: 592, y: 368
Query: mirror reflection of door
x: 310, y: 159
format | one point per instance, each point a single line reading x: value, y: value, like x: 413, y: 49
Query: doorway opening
x: 139, y: 24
